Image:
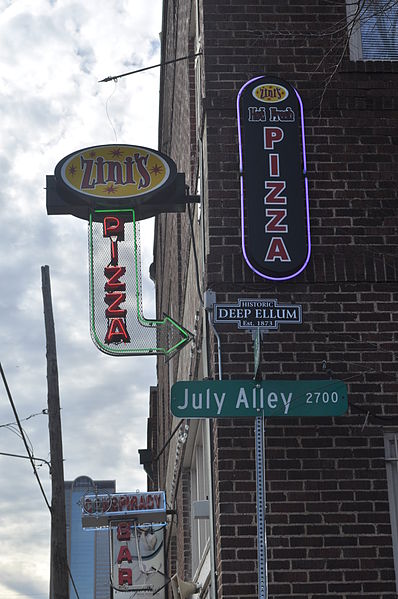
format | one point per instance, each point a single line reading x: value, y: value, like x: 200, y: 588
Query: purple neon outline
x: 242, y: 199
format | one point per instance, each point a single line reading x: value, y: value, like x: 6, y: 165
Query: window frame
x: 354, y: 31
x: 391, y: 459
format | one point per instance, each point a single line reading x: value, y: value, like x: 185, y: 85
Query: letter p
x: 113, y: 227
x: 272, y: 135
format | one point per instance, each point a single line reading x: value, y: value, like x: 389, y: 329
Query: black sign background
x: 286, y: 115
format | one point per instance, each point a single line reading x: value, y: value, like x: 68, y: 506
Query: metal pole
x: 59, y: 583
x: 260, y: 482
x: 261, y: 507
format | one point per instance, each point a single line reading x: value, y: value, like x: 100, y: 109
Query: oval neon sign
x: 274, y: 187
x: 114, y: 172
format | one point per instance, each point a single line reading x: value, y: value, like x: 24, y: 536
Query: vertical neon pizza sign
x: 274, y: 187
x: 113, y: 187
x: 115, y: 287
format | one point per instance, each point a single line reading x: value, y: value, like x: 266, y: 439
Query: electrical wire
x: 45, y: 411
x: 15, y: 455
x: 107, y: 113
x: 31, y: 458
x: 28, y: 450
x: 14, y: 429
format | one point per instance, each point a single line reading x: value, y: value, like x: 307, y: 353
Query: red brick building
x: 331, y: 482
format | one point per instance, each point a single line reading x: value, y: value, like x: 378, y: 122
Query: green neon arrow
x: 146, y: 336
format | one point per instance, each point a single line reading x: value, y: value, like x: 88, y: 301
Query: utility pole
x: 59, y: 581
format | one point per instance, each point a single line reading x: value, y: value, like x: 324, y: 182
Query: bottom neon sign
x: 137, y: 560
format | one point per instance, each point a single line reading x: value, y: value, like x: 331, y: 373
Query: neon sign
x: 274, y: 186
x: 113, y: 187
x: 98, y: 510
x: 117, y: 323
x: 137, y: 559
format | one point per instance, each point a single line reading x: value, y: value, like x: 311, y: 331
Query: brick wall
x: 328, y: 522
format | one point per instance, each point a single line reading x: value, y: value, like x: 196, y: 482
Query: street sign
x: 236, y: 398
x: 257, y: 313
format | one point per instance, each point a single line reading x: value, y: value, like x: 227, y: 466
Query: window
x: 391, y: 453
x: 200, y: 478
x: 373, y: 29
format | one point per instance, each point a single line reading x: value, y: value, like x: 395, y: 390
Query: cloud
x: 52, y: 55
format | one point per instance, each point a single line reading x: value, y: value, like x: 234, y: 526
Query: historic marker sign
x: 226, y: 399
x: 258, y: 313
x: 274, y: 186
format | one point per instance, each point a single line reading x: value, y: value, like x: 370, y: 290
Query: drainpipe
x: 205, y: 362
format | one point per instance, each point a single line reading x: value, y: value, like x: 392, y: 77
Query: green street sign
x: 229, y: 399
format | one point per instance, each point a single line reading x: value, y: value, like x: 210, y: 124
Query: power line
x: 31, y: 458
x: 30, y: 455
x: 44, y: 411
x: 15, y: 455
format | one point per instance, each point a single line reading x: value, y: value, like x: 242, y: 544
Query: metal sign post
x: 261, y: 509
x: 259, y: 431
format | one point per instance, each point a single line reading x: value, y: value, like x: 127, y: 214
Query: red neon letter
x: 113, y: 227
x: 277, y: 216
x: 272, y: 135
x: 274, y: 189
x: 117, y: 332
x: 123, y: 531
x: 124, y: 555
x: 277, y: 251
x: 113, y: 300
x: 125, y: 576
x: 113, y: 274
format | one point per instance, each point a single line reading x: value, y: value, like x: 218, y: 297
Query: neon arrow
x: 117, y: 323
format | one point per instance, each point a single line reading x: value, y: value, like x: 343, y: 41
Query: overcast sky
x: 52, y: 54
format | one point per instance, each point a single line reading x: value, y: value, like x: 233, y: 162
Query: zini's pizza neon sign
x: 113, y: 187
x: 274, y: 186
